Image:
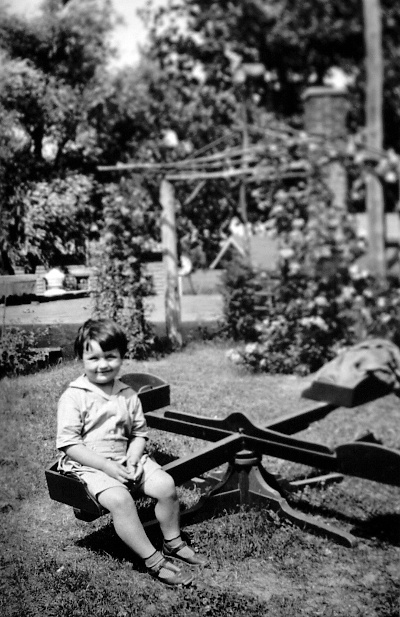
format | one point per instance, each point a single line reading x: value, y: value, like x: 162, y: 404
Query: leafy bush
x: 308, y: 321
x: 57, y: 219
x: 300, y: 329
x: 319, y: 299
x: 121, y: 282
x: 18, y: 352
x: 239, y: 290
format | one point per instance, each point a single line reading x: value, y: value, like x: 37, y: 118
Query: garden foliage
x: 320, y: 298
x: 52, y: 73
x: 240, y: 289
x: 122, y: 282
x: 19, y: 354
x: 297, y: 43
x: 57, y: 217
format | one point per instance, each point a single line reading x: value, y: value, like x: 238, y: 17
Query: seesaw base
x: 247, y: 483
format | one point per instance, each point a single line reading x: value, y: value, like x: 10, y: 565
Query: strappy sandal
x: 194, y: 559
x: 170, y: 574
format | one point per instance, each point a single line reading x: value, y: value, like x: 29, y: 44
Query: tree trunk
x: 374, y: 87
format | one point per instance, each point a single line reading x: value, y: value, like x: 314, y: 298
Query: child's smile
x: 101, y: 367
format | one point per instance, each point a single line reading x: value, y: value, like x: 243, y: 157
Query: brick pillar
x: 325, y: 112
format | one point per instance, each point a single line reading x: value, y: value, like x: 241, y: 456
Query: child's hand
x: 117, y: 471
x: 135, y: 471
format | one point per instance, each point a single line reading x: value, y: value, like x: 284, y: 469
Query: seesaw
x: 241, y: 443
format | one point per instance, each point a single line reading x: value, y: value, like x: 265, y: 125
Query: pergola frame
x: 242, y: 162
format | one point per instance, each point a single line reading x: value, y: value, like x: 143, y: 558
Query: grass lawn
x: 54, y: 565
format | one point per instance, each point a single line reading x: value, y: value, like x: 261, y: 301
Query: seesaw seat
x: 364, y: 391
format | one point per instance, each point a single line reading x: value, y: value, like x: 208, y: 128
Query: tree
x: 297, y: 43
x: 53, y: 70
x: 51, y: 73
x: 57, y: 219
x: 139, y: 112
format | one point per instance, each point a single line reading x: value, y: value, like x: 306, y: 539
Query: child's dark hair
x: 105, y: 332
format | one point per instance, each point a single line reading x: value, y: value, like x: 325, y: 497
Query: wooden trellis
x: 242, y: 163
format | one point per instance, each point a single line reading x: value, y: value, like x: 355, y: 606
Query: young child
x: 102, y: 435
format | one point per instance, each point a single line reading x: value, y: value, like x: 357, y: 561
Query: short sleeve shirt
x: 101, y: 422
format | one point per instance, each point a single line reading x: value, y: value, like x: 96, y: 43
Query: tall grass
x: 55, y: 565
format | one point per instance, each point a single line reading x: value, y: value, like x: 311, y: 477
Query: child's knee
x: 170, y: 488
x: 166, y: 488
x: 116, y: 500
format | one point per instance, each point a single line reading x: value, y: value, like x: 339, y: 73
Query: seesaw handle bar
x: 363, y: 460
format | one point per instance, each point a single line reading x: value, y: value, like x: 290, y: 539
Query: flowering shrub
x: 121, y: 283
x: 377, y: 305
x: 240, y: 287
x: 318, y: 300
x: 310, y: 321
x: 305, y: 322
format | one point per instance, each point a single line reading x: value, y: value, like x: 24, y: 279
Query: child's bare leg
x: 130, y: 529
x: 161, y: 487
x: 126, y: 520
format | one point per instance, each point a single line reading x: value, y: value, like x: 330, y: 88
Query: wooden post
x: 242, y: 73
x: 374, y: 73
x: 170, y: 259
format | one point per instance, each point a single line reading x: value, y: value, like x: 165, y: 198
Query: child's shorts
x: 97, y: 481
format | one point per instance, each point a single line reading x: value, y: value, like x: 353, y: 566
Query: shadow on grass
x: 106, y: 541
x: 383, y: 527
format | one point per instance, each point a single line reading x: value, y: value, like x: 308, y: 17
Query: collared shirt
x: 104, y: 423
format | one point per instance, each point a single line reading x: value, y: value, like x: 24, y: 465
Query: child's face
x: 101, y: 367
